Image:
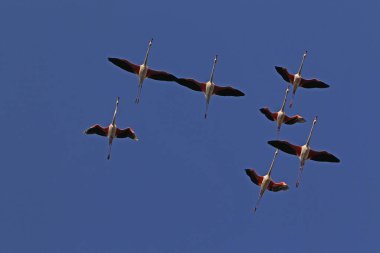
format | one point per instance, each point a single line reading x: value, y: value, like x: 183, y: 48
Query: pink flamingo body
x: 297, y: 81
x: 304, y: 152
x: 266, y: 182
x: 112, y: 131
x: 209, y: 88
x: 142, y: 71
x: 280, y: 117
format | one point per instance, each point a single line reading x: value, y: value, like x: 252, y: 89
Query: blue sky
x: 182, y: 187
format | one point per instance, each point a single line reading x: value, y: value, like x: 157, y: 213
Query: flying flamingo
x: 304, y: 152
x: 143, y: 71
x: 297, y: 80
x: 210, y: 88
x: 280, y: 116
x: 112, y: 131
x: 266, y: 182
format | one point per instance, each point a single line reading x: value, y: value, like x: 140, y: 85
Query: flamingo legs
x: 258, y: 200
x: 292, y: 101
x: 299, y: 175
x: 110, y: 149
x: 207, y: 102
x: 278, y: 130
x: 208, y: 97
x: 139, y: 88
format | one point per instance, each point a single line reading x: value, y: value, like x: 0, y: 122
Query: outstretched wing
x: 285, y: 74
x: 313, y: 83
x: 275, y: 187
x: 286, y: 147
x: 292, y: 120
x: 255, y: 178
x: 270, y: 115
x: 322, y: 156
x: 96, y: 129
x: 227, y: 91
x: 160, y: 75
x: 191, y: 84
x: 126, y: 65
x: 126, y: 133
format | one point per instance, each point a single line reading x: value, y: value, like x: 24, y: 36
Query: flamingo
x: 209, y: 88
x: 112, y: 131
x: 297, y: 80
x: 143, y: 71
x: 266, y: 182
x: 304, y: 152
x: 280, y: 116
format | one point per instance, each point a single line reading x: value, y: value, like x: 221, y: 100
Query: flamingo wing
x: 160, y: 75
x: 313, y: 83
x: 227, y: 91
x: 191, y: 84
x: 270, y: 115
x: 255, y: 178
x: 126, y: 65
x: 294, y: 119
x: 126, y: 133
x: 322, y: 156
x: 275, y: 187
x: 286, y: 147
x: 285, y: 74
x: 96, y: 129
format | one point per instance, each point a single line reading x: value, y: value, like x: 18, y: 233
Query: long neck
x: 283, y: 103
x: 114, y: 114
x: 303, y: 59
x: 311, y: 132
x: 147, y: 53
x: 213, y: 69
x: 271, y: 166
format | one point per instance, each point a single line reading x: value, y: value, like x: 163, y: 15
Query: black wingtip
x: 113, y: 60
x: 278, y: 68
x: 274, y: 143
x: 264, y: 111
x: 335, y: 160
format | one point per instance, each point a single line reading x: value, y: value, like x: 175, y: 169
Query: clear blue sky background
x: 182, y: 187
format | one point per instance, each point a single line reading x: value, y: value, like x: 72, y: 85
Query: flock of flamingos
x: 209, y: 88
